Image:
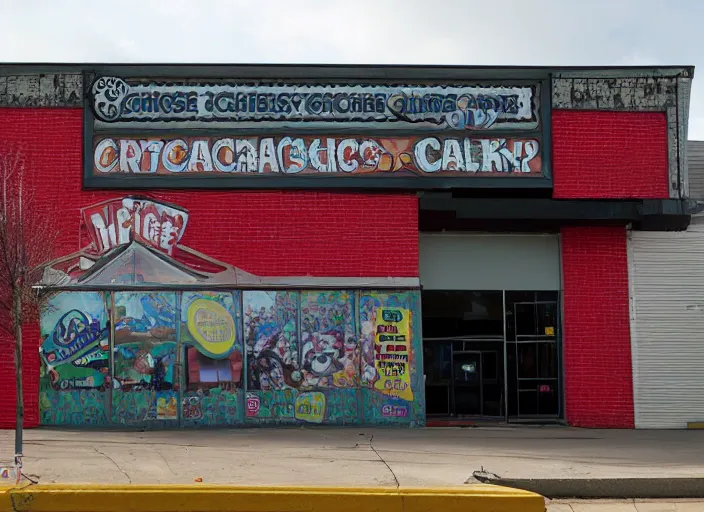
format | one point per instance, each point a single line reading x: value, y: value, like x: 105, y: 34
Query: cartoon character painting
x: 271, y: 340
x: 330, y: 354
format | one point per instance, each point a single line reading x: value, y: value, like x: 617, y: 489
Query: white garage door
x: 489, y: 262
x: 666, y: 273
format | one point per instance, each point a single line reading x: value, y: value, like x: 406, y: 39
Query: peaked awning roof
x: 136, y: 265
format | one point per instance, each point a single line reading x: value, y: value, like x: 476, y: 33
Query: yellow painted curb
x: 212, y: 498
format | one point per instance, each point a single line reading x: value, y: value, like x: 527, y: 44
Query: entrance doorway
x: 491, y: 355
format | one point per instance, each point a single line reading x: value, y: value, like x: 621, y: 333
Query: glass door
x: 467, y: 383
x: 437, y: 362
x: 533, y: 356
x: 464, y: 353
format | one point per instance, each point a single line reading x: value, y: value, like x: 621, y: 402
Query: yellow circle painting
x: 212, y: 327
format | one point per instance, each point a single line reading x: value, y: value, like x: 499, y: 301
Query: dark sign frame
x: 338, y: 181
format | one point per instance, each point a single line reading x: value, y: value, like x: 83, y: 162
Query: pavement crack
x: 165, y: 461
x: 116, y: 464
x: 371, y: 445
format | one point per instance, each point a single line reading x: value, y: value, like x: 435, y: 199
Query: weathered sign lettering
x: 331, y: 156
x: 395, y: 107
x: 119, y: 221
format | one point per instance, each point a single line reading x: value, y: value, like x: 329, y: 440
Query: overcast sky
x: 465, y: 32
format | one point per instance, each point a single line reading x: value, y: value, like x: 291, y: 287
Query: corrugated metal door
x: 695, y: 165
x: 666, y: 274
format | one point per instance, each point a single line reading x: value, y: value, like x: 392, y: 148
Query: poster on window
x: 271, y: 337
x: 74, y: 350
x: 145, y: 340
x: 392, y: 351
x: 329, y: 348
x: 209, y: 330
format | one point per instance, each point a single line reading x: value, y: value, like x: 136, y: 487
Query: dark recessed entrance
x: 491, y: 355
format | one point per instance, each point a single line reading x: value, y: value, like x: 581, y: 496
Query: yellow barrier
x: 212, y: 498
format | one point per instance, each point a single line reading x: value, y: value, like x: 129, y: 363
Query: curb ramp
x: 220, y: 498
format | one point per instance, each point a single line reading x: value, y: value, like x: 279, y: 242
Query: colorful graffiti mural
x: 140, y: 405
x: 342, y: 407
x: 329, y: 348
x: 212, y: 407
x: 273, y: 406
x: 75, y: 349
x: 310, y: 407
x: 73, y: 407
x: 144, y: 356
x: 291, y: 156
x: 354, y: 362
x: 392, y: 375
x: 271, y: 334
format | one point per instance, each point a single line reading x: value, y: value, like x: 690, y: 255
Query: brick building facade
x: 612, y: 145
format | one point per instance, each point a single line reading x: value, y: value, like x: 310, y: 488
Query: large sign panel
x: 291, y: 156
x: 187, y: 133
x: 405, y: 106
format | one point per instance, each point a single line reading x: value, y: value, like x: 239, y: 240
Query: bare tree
x: 27, y: 239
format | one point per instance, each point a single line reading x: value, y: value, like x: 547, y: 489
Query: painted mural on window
x: 392, y: 352
x: 329, y: 349
x: 390, y: 372
x: 210, y: 333
x: 209, y: 358
x: 270, y: 326
x: 75, y: 348
x: 336, y: 372
x: 145, y: 352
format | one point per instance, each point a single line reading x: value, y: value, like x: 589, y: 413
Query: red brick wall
x: 266, y: 233
x: 609, y: 154
x: 596, y: 328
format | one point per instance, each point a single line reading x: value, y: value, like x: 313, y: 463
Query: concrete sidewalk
x: 359, y: 456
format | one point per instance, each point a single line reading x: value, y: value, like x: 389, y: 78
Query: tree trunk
x: 19, y: 408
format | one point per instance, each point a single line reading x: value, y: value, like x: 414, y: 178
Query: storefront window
x: 210, y: 333
x: 145, y: 340
x: 75, y: 348
x: 271, y: 336
x: 330, y: 352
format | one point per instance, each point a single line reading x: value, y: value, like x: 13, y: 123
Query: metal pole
x: 503, y: 298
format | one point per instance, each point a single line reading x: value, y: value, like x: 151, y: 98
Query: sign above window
x: 394, y: 107
x: 119, y: 221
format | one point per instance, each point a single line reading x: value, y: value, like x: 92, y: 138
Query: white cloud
x: 466, y: 32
